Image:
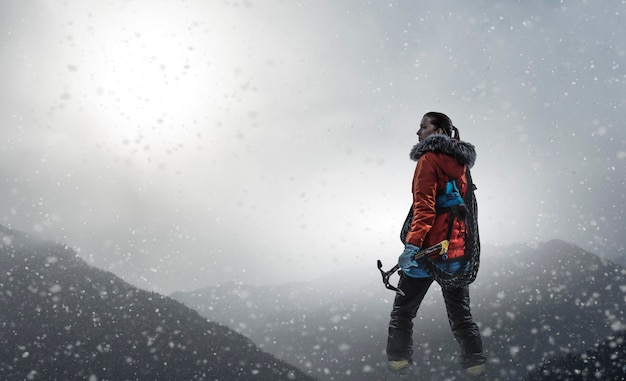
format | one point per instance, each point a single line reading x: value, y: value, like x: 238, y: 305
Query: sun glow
x: 152, y: 84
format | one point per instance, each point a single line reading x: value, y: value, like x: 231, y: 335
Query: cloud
x: 185, y: 144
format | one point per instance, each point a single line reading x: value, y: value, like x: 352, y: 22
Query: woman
x: 442, y: 159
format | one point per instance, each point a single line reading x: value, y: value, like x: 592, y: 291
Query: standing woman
x: 439, y: 178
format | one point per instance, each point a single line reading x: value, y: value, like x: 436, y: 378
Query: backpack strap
x: 449, y: 200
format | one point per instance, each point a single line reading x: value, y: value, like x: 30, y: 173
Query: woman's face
x: 427, y: 129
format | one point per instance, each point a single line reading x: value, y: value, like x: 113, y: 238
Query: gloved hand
x: 406, y: 260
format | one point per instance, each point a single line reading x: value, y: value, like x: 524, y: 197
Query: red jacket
x: 439, y: 160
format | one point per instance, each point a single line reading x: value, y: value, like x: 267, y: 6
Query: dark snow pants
x: 465, y: 331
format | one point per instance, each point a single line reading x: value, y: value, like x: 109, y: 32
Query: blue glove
x: 406, y: 260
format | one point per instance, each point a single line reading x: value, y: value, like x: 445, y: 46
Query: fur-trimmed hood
x: 463, y: 152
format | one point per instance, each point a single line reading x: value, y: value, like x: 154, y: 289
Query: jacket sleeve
x: 424, y: 196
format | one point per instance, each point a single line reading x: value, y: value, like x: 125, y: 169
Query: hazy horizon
x: 180, y: 145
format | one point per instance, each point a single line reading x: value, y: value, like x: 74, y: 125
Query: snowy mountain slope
x: 606, y: 361
x: 532, y: 303
x: 62, y: 319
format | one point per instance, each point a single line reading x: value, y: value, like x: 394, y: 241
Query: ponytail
x: 454, y: 134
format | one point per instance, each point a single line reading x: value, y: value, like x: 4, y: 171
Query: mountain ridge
x: 532, y: 303
x: 63, y: 319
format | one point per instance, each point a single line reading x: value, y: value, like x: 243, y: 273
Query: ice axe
x: 441, y: 247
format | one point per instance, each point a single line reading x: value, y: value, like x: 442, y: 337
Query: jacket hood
x: 463, y: 152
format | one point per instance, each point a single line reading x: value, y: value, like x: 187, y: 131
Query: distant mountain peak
x: 531, y: 301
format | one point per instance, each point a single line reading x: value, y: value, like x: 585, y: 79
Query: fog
x: 182, y: 144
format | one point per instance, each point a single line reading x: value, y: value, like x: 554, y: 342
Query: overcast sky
x: 184, y: 143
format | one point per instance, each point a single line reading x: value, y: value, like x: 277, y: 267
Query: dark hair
x: 442, y: 121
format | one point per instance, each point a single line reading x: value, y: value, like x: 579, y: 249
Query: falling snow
x: 250, y: 161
